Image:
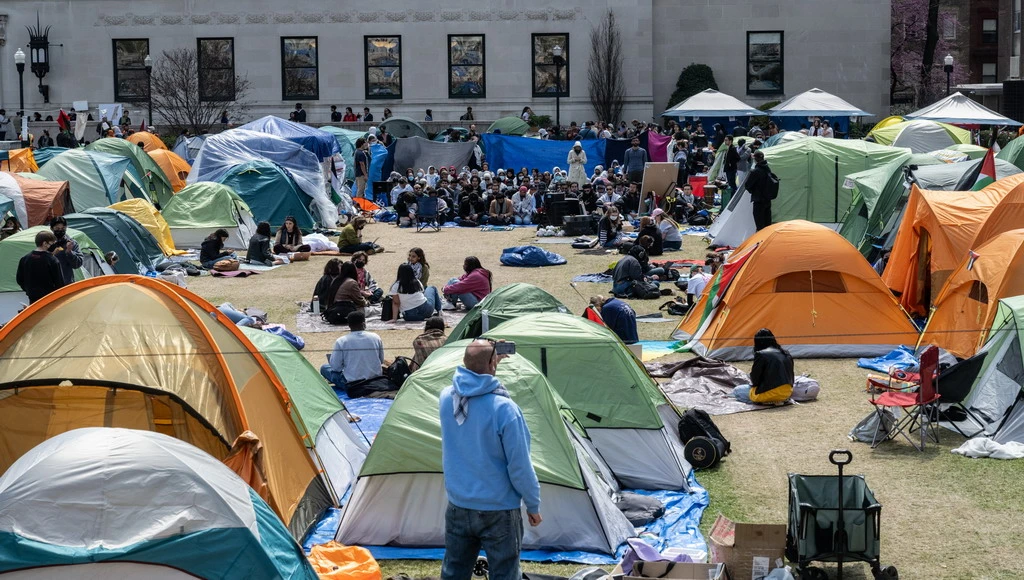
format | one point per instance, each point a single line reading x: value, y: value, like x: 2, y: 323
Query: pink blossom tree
x: 918, y: 48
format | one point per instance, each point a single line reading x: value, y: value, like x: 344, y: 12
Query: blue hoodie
x: 486, y: 460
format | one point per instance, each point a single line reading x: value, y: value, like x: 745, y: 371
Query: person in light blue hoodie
x: 488, y: 475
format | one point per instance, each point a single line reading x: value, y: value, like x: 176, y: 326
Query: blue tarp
x: 378, y: 157
x: 530, y: 257
x: 320, y: 143
x: 510, y: 151
x: 900, y: 359
x: 595, y: 278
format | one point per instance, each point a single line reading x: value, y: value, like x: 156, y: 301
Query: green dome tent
x: 403, y: 127
x: 632, y: 424
x: 115, y: 231
x: 509, y: 126
x: 95, y: 179
x: 154, y: 178
x: 503, y: 305
x: 269, y: 192
x: 199, y: 209
x: 1013, y: 152
x: 399, y: 498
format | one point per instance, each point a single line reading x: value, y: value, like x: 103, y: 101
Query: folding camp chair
x: 426, y: 214
x: 917, y: 406
x: 954, y: 385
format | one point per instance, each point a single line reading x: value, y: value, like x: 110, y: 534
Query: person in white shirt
x: 432, y: 176
x: 607, y: 198
x: 695, y: 286
x: 523, y: 207
x: 826, y: 130
x: 401, y: 187
x: 357, y: 356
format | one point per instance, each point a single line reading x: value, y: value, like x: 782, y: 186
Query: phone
x: 504, y: 348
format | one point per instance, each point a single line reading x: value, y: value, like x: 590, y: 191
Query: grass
x: 943, y: 516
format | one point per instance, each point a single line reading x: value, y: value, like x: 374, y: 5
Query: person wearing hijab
x: 577, y: 161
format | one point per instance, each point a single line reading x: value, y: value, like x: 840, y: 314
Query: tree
x: 176, y: 94
x: 607, y: 90
x: 916, y: 41
x: 694, y: 79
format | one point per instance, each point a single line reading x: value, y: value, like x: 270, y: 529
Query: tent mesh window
x: 827, y: 281
x: 978, y: 292
x: 1012, y: 365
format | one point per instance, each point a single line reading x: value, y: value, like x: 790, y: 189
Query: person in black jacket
x: 757, y: 185
x: 259, y: 246
x: 212, y: 249
x: 732, y: 160
x: 65, y: 249
x: 289, y: 238
x: 771, y: 377
x: 39, y: 271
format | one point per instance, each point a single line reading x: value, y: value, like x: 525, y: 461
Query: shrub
x: 692, y: 80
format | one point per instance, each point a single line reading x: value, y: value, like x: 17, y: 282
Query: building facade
x: 411, y: 55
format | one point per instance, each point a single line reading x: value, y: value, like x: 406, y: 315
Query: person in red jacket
x: 469, y: 288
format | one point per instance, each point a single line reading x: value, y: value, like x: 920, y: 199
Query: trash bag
x: 640, y: 510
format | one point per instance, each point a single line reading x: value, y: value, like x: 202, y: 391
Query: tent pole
x: 836, y: 205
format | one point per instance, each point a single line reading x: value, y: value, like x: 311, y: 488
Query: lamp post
x: 947, y: 65
x: 19, y: 63
x: 556, y: 57
x: 148, y: 61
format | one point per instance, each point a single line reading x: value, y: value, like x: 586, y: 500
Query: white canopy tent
x: 959, y: 108
x: 816, y: 102
x: 711, y: 103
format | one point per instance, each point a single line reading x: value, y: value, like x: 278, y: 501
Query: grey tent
x: 403, y: 127
x: 114, y: 231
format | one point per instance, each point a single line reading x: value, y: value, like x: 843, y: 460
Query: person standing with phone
x: 65, y: 249
x: 488, y: 474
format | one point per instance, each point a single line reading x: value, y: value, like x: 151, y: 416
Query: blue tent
x: 47, y: 153
x: 188, y: 147
x: 114, y: 231
x: 95, y: 178
x: 320, y: 143
x: 269, y: 192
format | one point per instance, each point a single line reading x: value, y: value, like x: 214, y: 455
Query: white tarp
x: 816, y: 102
x: 711, y: 103
x: 959, y: 108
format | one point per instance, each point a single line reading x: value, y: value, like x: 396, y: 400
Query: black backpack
x: 771, y: 187
x: 704, y: 444
x: 400, y: 370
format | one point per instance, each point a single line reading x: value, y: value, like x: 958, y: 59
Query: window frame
x: 566, y: 53
x: 482, y: 66
x: 781, y: 60
x: 285, y: 95
x: 205, y: 96
x: 949, y: 24
x: 990, y: 36
x: 118, y: 97
x: 367, y: 67
x: 995, y: 72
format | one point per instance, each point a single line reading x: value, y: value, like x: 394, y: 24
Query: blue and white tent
x: 103, y: 503
x: 320, y: 143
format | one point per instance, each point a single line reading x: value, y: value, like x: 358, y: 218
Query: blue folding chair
x: 426, y: 214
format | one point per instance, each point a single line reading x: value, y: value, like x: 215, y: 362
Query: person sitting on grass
x: 472, y: 211
x: 212, y: 249
x: 259, y: 246
x: 411, y: 299
x: 289, y: 238
x: 671, y: 239
x: 432, y: 339
x: 367, y: 285
x: 322, y: 290
x: 356, y: 356
x: 351, y: 239
x: 695, y: 285
x: 610, y: 228
x: 470, y: 288
x: 627, y: 274
x: 618, y: 316
x: 648, y: 228
x: 418, y: 260
x: 771, y: 377
x: 500, y: 213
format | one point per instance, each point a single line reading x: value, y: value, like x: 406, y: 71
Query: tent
x: 149, y: 217
x: 47, y: 153
x: 11, y: 190
x: 502, y: 305
x: 138, y: 353
x: 399, y: 498
x: 199, y: 209
x: 95, y: 179
x: 320, y: 143
x: 6, y: 206
x: 806, y: 284
x: 119, y: 503
x: 629, y: 420
x: 270, y: 193
x: 188, y: 147
x: 816, y: 103
x: 346, y: 139
x: 509, y: 126
x: 225, y: 152
x: 17, y: 160
x: 174, y: 167
x: 783, y: 137
x: 961, y: 109
x: 403, y: 127
x: 937, y: 231
x: 920, y: 136
x: 811, y: 174
x: 157, y: 184
x: 14, y: 247
x: 965, y: 151
x: 43, y: 199
x: 966, y: 306
x: 888, y: 122
x: 148, y: 141
x: 334, y: 444
x: 114, y: 231
x: 1013, y: 152
x: 996, y: 374
x: 711, y: 103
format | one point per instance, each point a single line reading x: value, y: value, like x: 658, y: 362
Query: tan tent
x: 149, y: 141
x: 174, y: 167
x: 149, y: 217
x: 17, y: 160
x: 44, y: 199
x: 135, y: 352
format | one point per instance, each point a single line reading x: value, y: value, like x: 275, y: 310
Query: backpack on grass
x: 704, y: 444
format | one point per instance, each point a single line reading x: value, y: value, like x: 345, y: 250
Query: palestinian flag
x: 986, y: 173
x: 63, y: 121
x: 972, y: 258
x: 142, y: 127
x: 720, y: 284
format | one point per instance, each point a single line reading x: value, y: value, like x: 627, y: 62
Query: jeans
x: 730, y: 178
x: 353, y: 248
x: 466, y: 532
x: 762, y: 214
x: 334, y: 377
x: 523, y: 221
x: 672, y: 245
x: 468, y: 300
x: 659, y: 272
x: 209, y: 265
x: 236, y: 316
x: 425, y: 310
x: 742, y: 393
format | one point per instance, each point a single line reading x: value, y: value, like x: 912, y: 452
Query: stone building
x: 445, y: 55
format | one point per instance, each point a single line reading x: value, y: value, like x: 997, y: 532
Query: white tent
x: 959, y: 108
x: 922, y: 136
x: 816, y: 102
x: 711, y: 103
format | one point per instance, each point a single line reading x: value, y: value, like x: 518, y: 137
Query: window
x: 300, y: 71
x: 989, y: 31
x: 949, y: 26
x: 978, y: 292
x: 550, y: 79
x: 825, y: 281
x: 383, y: 67
x: 131, y: 83
x: 216, y: 69
x: 988, y: 72
x: 466, y: 67
x: 764, y: 63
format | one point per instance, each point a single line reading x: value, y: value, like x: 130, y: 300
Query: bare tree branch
x: 607, y: 90
x: 176, y: 93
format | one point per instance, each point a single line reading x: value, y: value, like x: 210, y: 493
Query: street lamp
x: 148, y: 61
x: 947, y: 65
x: 556, y: 57
x: 19, y: 63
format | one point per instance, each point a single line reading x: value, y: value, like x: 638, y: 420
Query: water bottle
x: 316, y: 305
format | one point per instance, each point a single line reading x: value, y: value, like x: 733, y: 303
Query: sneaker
x: 446, y: 305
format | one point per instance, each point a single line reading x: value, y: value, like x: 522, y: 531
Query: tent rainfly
x: 711, y: 103
x: 149, y: 141
x: 959, y: 108
x: 403, y: 127
x: 95, y: 179
x: 320, y: 143
x: 816, y: 102
x: 502, y: 305
x: 114, y: 231
x: 199, y: 209
x: 509, y: 126
x: 149, y: 217
x: 1013, y: 152
x: 175, y: 168
x: 147, y: 169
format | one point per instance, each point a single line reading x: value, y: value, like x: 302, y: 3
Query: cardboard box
x: 749, y: 551
x: 673, y: 571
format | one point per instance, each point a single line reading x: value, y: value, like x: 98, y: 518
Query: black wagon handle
x: 840, y: 457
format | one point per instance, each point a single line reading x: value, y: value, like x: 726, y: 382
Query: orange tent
x: 149, y: 141
x: 18, y: 160
x: 809, y: 286
x: 44, y: 199
x: 365, y: 204
x: 939, y: 227
x: 967, y: 304
x: 174, y: 167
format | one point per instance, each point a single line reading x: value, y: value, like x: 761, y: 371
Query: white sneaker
x: 446, y: 305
